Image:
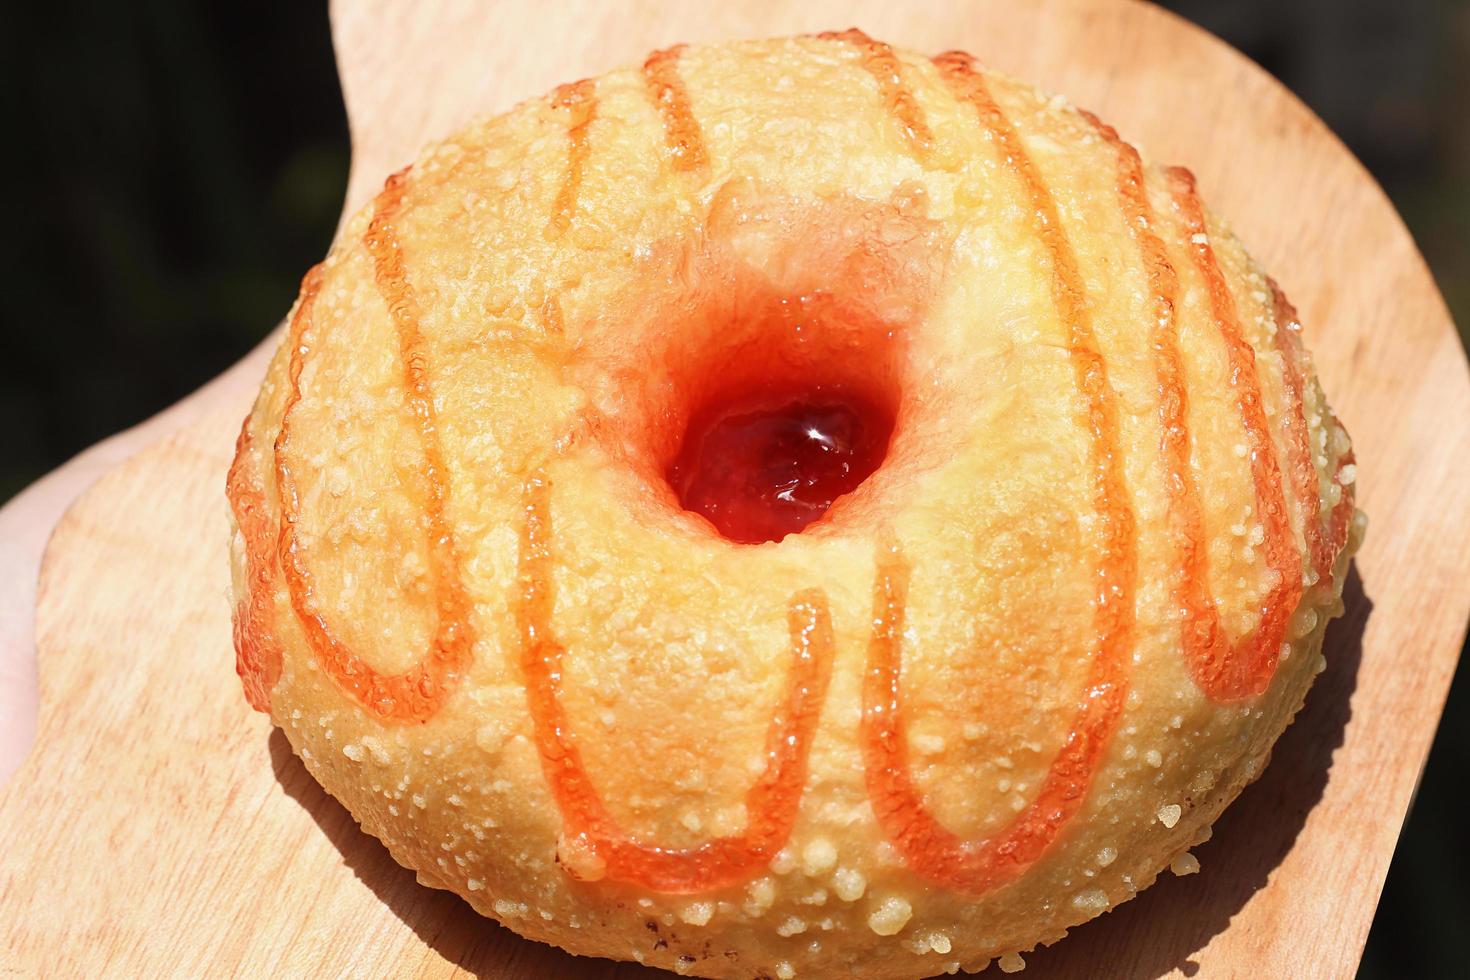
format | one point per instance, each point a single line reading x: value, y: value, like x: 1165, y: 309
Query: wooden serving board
x: 160, y: 828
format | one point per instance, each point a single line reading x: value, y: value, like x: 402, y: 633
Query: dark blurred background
x: 174, y: 167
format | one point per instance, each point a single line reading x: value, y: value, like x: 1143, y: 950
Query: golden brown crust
x: 506, y: 337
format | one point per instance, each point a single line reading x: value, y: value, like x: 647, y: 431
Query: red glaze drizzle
x: 1229, y: 671
x: 771, y: 803
x: 880, y: 62
x: 416, y: 695
x: 257, y: 649
x: 580, y: 99
x: 1185, y: 511
x: 681, y: 129
x: 1323, y: 543
x: 977, y: 866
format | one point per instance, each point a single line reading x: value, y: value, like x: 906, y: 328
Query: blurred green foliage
x: 175, y: 166
x: 173, y: 169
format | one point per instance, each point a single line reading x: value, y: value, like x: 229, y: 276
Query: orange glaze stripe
x: 257, y: 649
x: 1228, y: 671
x: 880, y: 62
x: 1323, y: 544
x: 416, y: 695
x: 1186, y: 514
x: 771, y: 803
x: 978, y: 866
x: 681, y: 129
x: 580, y: 99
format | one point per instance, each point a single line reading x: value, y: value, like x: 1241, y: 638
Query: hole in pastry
x: 765, y: 463
x: 756, y: 375
x: 776, y: 408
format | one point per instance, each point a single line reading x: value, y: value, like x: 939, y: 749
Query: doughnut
x: 791, y: 508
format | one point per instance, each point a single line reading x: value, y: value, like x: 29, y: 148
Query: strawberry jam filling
x: 766, y: 463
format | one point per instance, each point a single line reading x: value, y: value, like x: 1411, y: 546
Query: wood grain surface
x: 161, y: 828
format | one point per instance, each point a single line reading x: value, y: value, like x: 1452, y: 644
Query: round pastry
x: 794, y: 508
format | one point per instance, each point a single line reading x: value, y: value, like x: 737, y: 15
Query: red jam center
x: 765, y: 464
